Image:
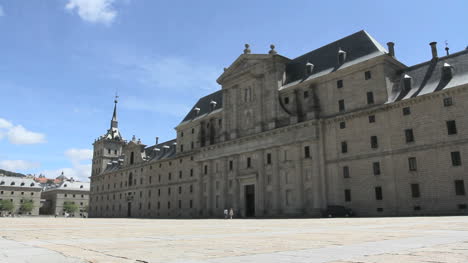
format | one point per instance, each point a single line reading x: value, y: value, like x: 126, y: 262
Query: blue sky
x: 63, y: 60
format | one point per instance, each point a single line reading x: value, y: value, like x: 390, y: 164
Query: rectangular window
x: 306, y: 94
x: 451, y: 127
x: 456, y: 159
x: 347, y: 194
x: 378, y: 193
x: 367, y: 75
x: 180, y: 203
x: 459, y: 187
x: 409, y: 135
x: 181, y: 148
x: 345, y: 171
x: 180, y: 174
x: 406, y: 111
x: 344, y: 147
x: 371, y: 118
x: 413, y: 166
x: 370, y: 97
x: 191, y: 204
x: 230, y: 165
x: 268, y: 158
x: 249, y: 162
x: 206, y: 169
x: 448, y: 102
x: 339, y: 84
x: 307, y: 152
x: 342, y: 125
x: 286, y: 100
x: 374, y: 142
x: 376, y: 168
x: 341, y: 106
x: 415, y: 193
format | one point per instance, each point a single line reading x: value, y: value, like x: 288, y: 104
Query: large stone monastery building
x: 346, y: 124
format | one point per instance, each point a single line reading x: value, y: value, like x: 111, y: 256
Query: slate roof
x: 12, y: 181
x: 70, y: 185
x: 427, y: 77
x: 357, y: 46
x: 204, y: 105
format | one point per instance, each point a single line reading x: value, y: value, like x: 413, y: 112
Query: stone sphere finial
x: 247, y: 49
x: 272, y: 51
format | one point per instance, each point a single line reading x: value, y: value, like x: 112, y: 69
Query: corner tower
x: 107, y: 148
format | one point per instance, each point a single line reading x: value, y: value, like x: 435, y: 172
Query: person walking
x: 225, y: 214
x: 231, y: 213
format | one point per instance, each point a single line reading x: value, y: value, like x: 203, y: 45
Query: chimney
x: 157, y: 140
x: 391, y: 49
x: 341, y: 56
x: 434, y: 49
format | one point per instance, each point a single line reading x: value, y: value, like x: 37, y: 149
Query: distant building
x: 20, y: 190
x: 56, y: 196
x: 45, y: 182
x: 346, y: 124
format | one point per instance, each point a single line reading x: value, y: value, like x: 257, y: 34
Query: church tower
x: 107, y: 148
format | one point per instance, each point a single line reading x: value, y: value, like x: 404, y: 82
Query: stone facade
x: 346, y: 124
x: 19, y: 190
x: 56, y: 196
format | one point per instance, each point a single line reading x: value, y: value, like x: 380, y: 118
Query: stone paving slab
x: 363, y: 240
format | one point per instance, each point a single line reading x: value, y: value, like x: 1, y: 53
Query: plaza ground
x: 345, y: 240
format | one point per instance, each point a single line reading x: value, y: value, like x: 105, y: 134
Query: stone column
x: 299, y: 179
x: 201, y: 204
x: 276, y: 193
x: 260, y: 209
x: 209, y: 176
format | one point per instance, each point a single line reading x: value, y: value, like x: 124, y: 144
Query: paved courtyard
x: 70, y: 240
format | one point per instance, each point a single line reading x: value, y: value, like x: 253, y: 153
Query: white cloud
x: 81, y: 166
x: 15, y: 165
x: 2, y: 13
x: 93, y: 11
x: 17, y: 134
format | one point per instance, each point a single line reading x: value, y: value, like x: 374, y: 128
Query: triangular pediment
x: 243, y: 63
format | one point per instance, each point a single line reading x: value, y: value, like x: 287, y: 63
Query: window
x: 168, y: 191
x: 380, y: 209
x: 371, y: 118
x: 415, y: 193
x: 169, y: 205
x: 376, y: 168
x: 451, y: 127
x: 132, y: 157
x: 230, y: 165
x: 191, y: 172
x: 346, y: 171
x: 374, y: 142
x: 448, y: 102
x: 339, y: 84
x: 342, y: 125
x: 206, y: 169
x: 341, y: 106
x: 169, y: 177
x: 370, y: 97
x: 462, y: 206
x: 181, y: 148
x: 367, y: 75
x: 406, y: 111
x: 181, y: 134
x: 130, y: 179
x: 307, y: 152
x: 180, y: 203
x: 409, y: 135
x: 456, y: 159
x: 378, y: 193
x: 109, y: 151
x: 191, y: 188
x: 249, y: 162
x: 459, y: 187
x: 159, y: 192
x: 180, y: 174
x: 412, y: 164
x: 347, y: 194
x: 344, y: 147
x: 286, y: 100
x: 306, y: 94
x: 268, y: 158
x: 180, y: 189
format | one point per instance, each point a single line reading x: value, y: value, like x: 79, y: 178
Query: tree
x: 27, y: 206
x: 6, y: 205
x: 70, y: 207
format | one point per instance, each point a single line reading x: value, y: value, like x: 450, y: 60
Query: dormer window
x: 32, y: 184
x: 309, y: 68
x: 341, y: 56
x: 2, y: 182
x: 213, y: 104
x: 65, y: 185
x: 286, y: 100
x: 81, y: 186
x: 12, y: 183
x: 406, y: 83
x: 196, y: 110
x: 22, y: 184
x: 447, y: 71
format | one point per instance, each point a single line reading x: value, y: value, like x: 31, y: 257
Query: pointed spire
x: 114, y: 122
